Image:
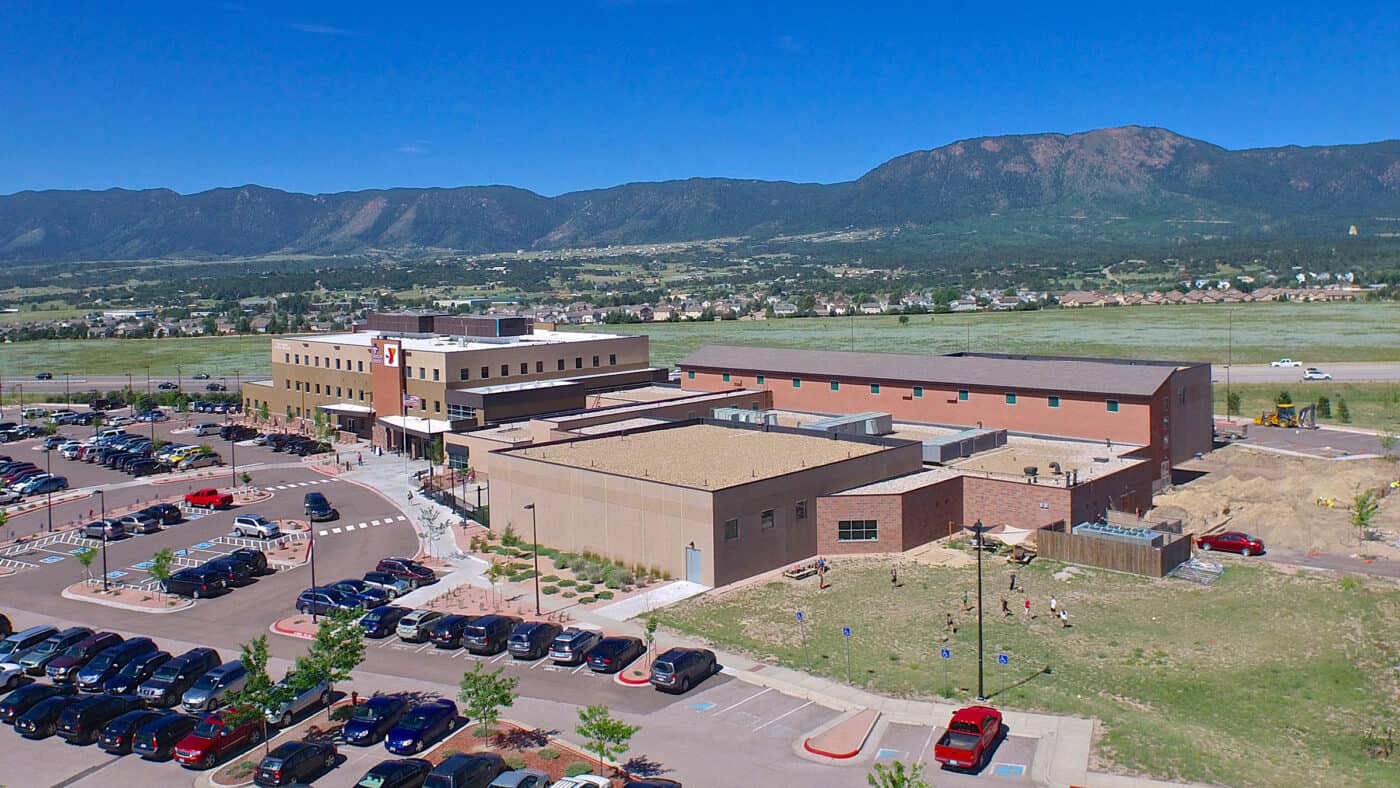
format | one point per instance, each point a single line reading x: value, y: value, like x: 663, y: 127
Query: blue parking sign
x: 845, y: 631
x: 1002, y: 659
x: 945, y: 653
x: 799, y: 616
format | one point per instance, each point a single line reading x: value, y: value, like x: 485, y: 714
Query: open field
x: 1261, y: 332
x: 1264, y: 679
x: 1372, y: 405
x: 249, y: 355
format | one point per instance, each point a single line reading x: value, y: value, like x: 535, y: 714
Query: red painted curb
x: 626, y: 682
x: 277, y: 628
x: 807, y: 745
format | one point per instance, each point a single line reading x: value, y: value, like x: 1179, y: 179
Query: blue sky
x: 557, y: 97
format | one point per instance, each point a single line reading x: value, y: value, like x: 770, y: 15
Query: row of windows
x: 525, y: 367
x: 766, y: 519
x: 963, y: 394
x: 320, y: 361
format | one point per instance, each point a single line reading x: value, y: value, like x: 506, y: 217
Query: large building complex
x: 410, y: 376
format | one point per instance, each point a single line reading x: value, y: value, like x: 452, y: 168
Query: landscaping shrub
x: 569, y: 594
x: 604, y: 595
x: 568, y: 581
x: 515, y: 762
x: 576, y: 768
x: 549, y: 754
x: 564, y: 560
x: 584, y: 588
x: 550, y: 578
x: 587, y: 600
x: 342, y: 713
x: 613, y: 583
x: 549, y: 590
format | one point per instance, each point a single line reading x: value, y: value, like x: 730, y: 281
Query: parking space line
x: 780, y: 716
x: 500, y: 656
x: 335, y: 530
x: 374, y: 522
x: 763, y: 691
x: 362, y: 525
x: 577, y: 669
x: 927, y: 743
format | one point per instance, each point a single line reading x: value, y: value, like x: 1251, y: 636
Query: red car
x: 212, y: 739
x: 209, y: 498
x: 970, y: 738
x: 1231, y: 542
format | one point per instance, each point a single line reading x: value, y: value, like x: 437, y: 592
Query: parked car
x: 303, y: 700
x: 521, y: 778
x: 202, y: 430
x: 170, y: 681
x: 531, y: 640
x: 652, y: 782
x: 254, y: 558
x: 8, y: 496
x: 1232, y: 542
x: 235, y: 572
x: 295, y: 762
x: 6, y: 628
x: 408, y: 569
x: 168, y: 514
x: 140, y: 523
x: 17, y: 644
x: 488, y: 635
x: 210, y: 691
x: 64, y: 668
x: 679, y: 669
x: 27, y: 697
x: 41, y: 720
x: 368, y: 595
x: 208, y: 460
x: 117, y: 736
x: 571, y: 646
x: 321, y: 600
x: 467, y: 771
x: 392, y: 585
x: 106, y: 530
x: 11, y: 675
x: 94, y: 675
x: 398, y: 773
x: 584, y: 781
x: 318, y: 509
x: 83, y: 721
x: 373, y: 718
x: 420, y: 726
x: 44, y: 484
x: 255, y: 526
x: 36, y: 660
x: 196, y: 582
x: 209, y: 498
x: 135, y: 673
x: 615, y: 652
x: 212, y: 739
x: 382, y: 621
x: 969, y: 739
x: 145, y: 467
x: 156, y: 741
x: 447, y: 633
x: 417, y: 626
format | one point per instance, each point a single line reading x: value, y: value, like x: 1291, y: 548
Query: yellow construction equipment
x: 1286, y: 414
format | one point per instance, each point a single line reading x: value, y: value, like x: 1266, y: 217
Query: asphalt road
x: 1349, y: 371
x: 76, y: 383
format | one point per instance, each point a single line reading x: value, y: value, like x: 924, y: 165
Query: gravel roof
x: 702, y: 456
x: 1083, y: 375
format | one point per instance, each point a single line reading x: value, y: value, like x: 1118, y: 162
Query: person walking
x: 966, y: 604
x: 360, y: 458
x: 1013, y: 582
x: 894, y: 577
x: 950, y: 626
x: 1064, y: 618
x: 1028, y: 608
x: 1005, y: 609
x: 1053, y: 604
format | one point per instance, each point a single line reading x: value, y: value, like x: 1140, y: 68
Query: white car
x: 10, y: 673
x: 1313, y: 373
x: 255, y: 526
x: 583, y: 781
x: 120, y: 421
x: 1285, y: 362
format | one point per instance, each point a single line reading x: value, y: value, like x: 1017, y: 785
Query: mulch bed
x: 521, y: 747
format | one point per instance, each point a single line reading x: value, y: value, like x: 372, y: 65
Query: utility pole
x: 102, y: 496
x: 1229, y: 359
x: 979, y: 529
x: 48, y: 467
x: 535, y: 535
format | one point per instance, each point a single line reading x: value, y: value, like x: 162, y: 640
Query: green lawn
x: 1375, y: 405
x: 1258, y: 333
x: 250, y: 356
x: 1264, y: 679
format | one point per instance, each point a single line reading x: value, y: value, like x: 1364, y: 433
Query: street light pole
x: 233, y: 458
x: 102, y: 496
x: 311, y: 556
x: 535, y: 535
x: 978, y: 529
x: 66, y: 399
x: 1229, y: 358
x: 48, y: 468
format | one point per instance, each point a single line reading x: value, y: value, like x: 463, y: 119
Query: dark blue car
x: 420, y: 726
x: 382, y: 621
x: 373, y: 719
x: 322, y: 600
x: 367, y: 595
x: 135, y: 673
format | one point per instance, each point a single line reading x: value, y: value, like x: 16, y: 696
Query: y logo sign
x: 391, y: 355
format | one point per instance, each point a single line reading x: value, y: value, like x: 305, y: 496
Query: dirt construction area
x: 1293, y: 503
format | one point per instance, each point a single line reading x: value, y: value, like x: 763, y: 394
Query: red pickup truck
x: 212, y: 739
x: 971, y: 735
x: 209, y: 498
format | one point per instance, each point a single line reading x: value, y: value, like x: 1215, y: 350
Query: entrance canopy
x: 423, y: 428
x: 348, y: 408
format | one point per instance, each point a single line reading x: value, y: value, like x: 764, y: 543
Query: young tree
x: 160, y: 565
x: 85, y: 556
x: 337, y: 649
x: 494, y: 573
x: 1343, y: 412
x: 260, y: 692
x: 650, y: 636
x: 1387, y: 440
x: 1232, y: 403
x: 604, y: 736
x: 433, y: 454
x: 485, y: 694
x: 897, y: 775
x: 262, y: 411
x: 1363, y: 510
x: 904, y: 320
x: 97, y: 422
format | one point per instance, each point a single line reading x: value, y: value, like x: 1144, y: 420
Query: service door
x: 693, y: 571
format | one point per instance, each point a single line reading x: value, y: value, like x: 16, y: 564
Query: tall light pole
x: 48, y: 468
x: 535, y: 536
x: 233, y: 457
x: 66, y: 399
x: 102, y: 497
x: 311, y: 556
x: 979, y: 529
x: 130, y: 395
x: 1229, y: 358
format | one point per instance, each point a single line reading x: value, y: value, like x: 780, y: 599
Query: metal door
x: 693, y: 572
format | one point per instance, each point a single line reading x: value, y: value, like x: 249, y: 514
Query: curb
x: 278, y: 629
x: 839, y: 721
x: 66, y: 594
x: 621, y: 678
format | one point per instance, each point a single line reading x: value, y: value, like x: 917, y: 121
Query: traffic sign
x: 945, y: 653
x: 799, y: 616
x: 1002, y: 659
x: 845, y: 631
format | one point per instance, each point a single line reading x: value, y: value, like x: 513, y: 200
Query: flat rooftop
x: 700, y: 456
x: 451, y: 344
x: 641, y: 394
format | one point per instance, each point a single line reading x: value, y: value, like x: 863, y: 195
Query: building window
x: 1113, y: 406
x: 918, y: 392
x: 316, y: 361
x: 1053, y: 401
x: 690, y: 374
x: 797, y: 383
x: 436, y: 372
x: 289, y: 385
x: 731, y: 529
x: 437, y: 406
x: 362, y: 395
x: 318, y: 388
x: 835, y: 385
x: 612, y: 359
x: 465, y: 375
x: 799, y: 510
x: 359, y: 366
x: 962, y: 395
x: 874, y: 388
x: 505, y: 370
x: 1010, y: 398
x: 524, y: 367
x: 337, y: 391
x: 726, y: 377
x: 561, y: 365
x: 298, y: 385
x: 459, y: 412
x: 539, y: 367
x: 286, y: 358
x: 337, y: 363
x: 485, y: 372
x: 422, y: 373
x: 759, y: 380
x: 578, y: 362
x: 765, y: 518
x: 857, y: 531
x: 298, y: 358
x: 595, y: 361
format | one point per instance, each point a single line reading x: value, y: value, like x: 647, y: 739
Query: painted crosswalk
x: 352, y: 527
x: 292, y: 485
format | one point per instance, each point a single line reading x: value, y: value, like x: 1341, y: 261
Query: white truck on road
x: 1285, y: 362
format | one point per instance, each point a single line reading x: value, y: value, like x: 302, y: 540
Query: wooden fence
x: 1055, y: 541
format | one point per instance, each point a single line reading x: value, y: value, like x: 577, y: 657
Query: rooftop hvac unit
x: 854, y: 424
x: 745, y: 416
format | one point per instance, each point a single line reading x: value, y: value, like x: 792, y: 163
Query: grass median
x: 1369, y: 405
x: 1258, y: 680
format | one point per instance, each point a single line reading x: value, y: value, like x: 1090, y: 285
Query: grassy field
x: 1263, y: 679
x: 1261, y: 332
x: 250, y: 356
x: 1373, y: 405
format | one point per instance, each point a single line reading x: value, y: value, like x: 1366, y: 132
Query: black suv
x: 295, y: 762
x: 531, y: 640
x: 196, y: 582
x: 679, y: 669
x: 168, y: 684
x: 81, y: 722
x: 447, y: 632
x: 135, y: 673
x: 94, y: 675
x: 318, y: 509
x: 489, y: 634
x: 156, y: 740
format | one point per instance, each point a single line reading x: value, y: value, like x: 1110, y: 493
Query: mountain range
x: 1152, y: 177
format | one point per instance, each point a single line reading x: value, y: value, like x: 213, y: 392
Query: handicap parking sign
x: 845, y: 631
x: 113, y: 575
x: 1002, y: 659
x: 945, y: 653
x: 799, y: 616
